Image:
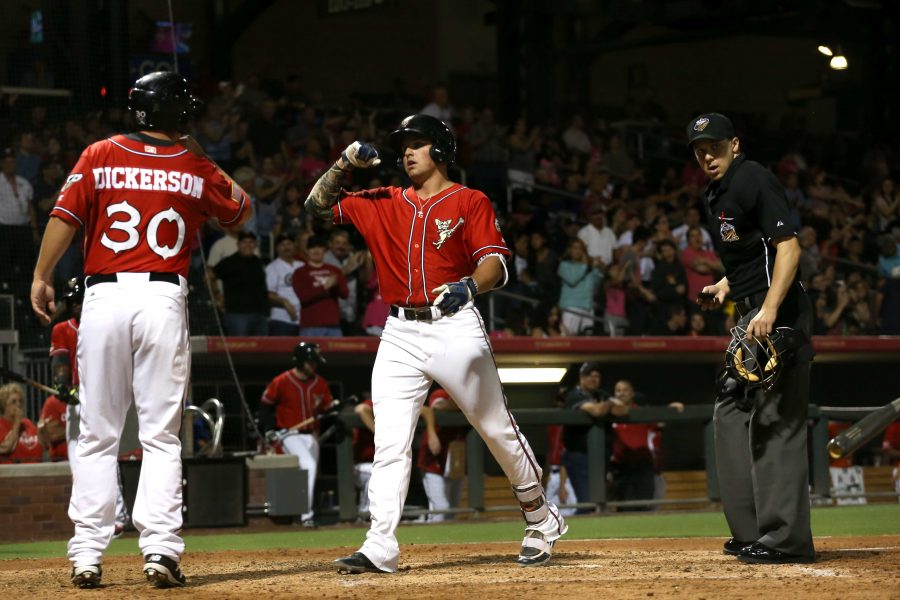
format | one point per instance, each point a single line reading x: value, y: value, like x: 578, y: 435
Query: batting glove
x: 361, y: 155
x: 453, y: 296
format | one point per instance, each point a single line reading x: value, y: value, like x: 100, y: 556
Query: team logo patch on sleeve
x: 73, y: 178
x: 445, y: 231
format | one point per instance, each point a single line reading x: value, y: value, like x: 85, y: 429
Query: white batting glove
x: 361, y: 155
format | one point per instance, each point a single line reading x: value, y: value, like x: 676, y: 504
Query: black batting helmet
x: 162, y: 100
x: 74, y: 291
x: 307, y: 352
x: 443, y: 144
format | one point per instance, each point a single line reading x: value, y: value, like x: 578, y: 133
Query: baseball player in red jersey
x: 442, y: 487
x: 140, y: 199
x: 291, y: 402
x: 435, y: 246
x: 52, y: 428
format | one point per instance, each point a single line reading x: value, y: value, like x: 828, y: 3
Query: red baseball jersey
x: 64, y: 342
x: 28, y: 448
x: 418, y: 246
x: 296, y: 399
x: 363, y: 442
x: 892, y: 439
x: 140, y: 202
x: 555, y: 446
x: 437, y: 463
x: 634, y: 443
x: 319, y: 304
x: 54, y: 409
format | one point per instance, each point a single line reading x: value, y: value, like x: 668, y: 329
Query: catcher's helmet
x: 162, y: 100
x: 74, y: 290
x: 758, y: 362
x: 306, y: 352
x: 443, y: 144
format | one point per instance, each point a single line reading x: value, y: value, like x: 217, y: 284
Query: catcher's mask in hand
x: 757, y: 362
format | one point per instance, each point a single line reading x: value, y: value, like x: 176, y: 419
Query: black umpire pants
x: 761, y: 456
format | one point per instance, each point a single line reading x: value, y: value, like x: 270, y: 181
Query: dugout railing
x: 820, y: 481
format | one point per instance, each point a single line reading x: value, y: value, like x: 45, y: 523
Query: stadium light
x: 825, y: 50
x: 838, y: 63
x: 531, y: 374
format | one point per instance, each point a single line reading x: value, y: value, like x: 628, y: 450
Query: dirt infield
x: 847, y: 567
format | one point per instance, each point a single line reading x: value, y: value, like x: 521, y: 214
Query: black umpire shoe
x: 757, y: 553
x: 162, y: 571
x: 733, y: 547
x: 357, y: 563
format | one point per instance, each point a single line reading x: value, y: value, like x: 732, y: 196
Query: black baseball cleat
x: 733, y: 547
x: 355, y: 564
x: 757, y: 553
x: 163, y: 571
x: 87, y: 576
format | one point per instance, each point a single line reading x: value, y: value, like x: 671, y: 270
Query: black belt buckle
x: 412, y: 314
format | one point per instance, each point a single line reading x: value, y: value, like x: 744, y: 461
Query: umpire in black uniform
x: 761, y: 452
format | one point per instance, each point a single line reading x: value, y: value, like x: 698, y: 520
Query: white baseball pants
x: 442, y: 493
x: 553, y: 493
x: 305, y: 446
x: 454, y: 352
x: 133, y: 344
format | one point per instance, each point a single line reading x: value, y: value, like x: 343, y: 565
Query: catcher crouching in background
x: 291, y: 406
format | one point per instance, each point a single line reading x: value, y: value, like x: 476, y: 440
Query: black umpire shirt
x: 746, y: 209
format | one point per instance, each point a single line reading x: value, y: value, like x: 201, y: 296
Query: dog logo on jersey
x: 700, y: 124
x: 726, y: 229
x: 445, y: 231
x: 73, y: 178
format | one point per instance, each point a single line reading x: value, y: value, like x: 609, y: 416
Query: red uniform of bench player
x: 435, y: 245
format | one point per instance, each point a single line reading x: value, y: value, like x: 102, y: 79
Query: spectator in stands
x: 579, y: 280
x: 364, y: 452
x: 353, y: 264
x: 691, y: 219
x: 889, y: 269
x: 523, y: 150
x: 245, y: 302
x: 18, y: 221
x: 697, y: 326
x: 809, y: 253
x: 319, y: 286
x: 46, y: 188
x: 291, y: 220
x: 487, y: 171
x: 441, y: 458
x: 621, y: 166
x: 266, y: 134
x: 886, y: 204
x: 675, y: 322
x: 701, y: 266
x: 543, y: 264
x: 587, y: 397
x: 440, y: 107
x: 669, y: 281
x: 52, y: 428
x: 223, y: 247
x: 600, y: 241
x: 284, y: 318
x: 547, y: 322
x: 19, y: 440
x: 28, y: 160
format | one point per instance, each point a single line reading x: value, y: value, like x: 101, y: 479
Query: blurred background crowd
x: 604, y: 213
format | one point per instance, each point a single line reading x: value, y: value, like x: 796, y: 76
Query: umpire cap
x: 709, y: 126
x: 307, y: 352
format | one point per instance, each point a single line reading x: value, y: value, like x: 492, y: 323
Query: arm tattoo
x: 325, y: 193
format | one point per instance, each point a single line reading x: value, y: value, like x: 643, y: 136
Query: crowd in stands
x: 607, y: 237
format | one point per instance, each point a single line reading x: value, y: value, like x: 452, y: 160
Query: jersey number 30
x: 129, y: 226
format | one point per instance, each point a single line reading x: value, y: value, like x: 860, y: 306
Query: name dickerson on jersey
x: 135, y: 178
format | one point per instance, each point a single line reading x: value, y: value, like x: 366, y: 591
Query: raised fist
x: 361, y: 155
